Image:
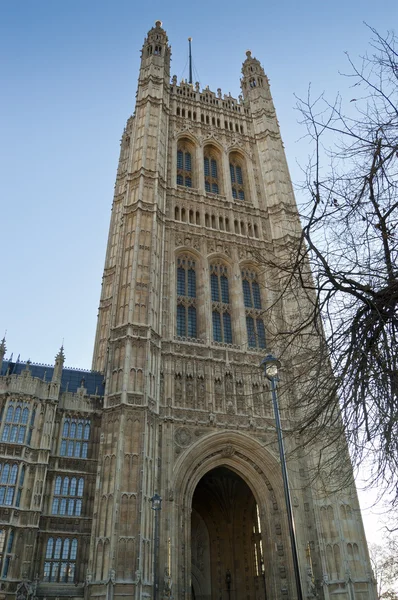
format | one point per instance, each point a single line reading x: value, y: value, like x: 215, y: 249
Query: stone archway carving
x: 260, y: 469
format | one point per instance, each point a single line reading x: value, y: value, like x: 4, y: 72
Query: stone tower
x: 176, y: 404
x: 202, y: 180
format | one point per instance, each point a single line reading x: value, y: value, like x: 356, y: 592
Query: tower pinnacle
x: 3, y: 349
x: 59, y: 363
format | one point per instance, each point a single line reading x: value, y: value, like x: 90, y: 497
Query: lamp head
x: 156, y: 502
x: 270, y: 365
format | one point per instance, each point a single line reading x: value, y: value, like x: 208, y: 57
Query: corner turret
x: 155, y: 55
x: 254, y: 82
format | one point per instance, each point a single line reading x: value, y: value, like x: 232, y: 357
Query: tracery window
x: 17, y: 423
x: 8, y: 480
x: 68, y: 495
x: 221, y: 307
x: 210, y: 165
x: 237, y: 179
x: 184, y: 164
x: 252, y: 301
x: 75, y: 434
x: 186, y: 297
x: 60, y: 560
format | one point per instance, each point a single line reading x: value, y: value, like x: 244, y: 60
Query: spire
x: 3, y: 349
x: 59, y: 363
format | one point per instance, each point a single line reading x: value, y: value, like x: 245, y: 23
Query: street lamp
x: 156, y: 502
x: 271, y: 364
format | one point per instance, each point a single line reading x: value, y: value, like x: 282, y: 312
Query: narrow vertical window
x: 237, y: 181
x: 221, y: 308
x: 252, y: 301
x: 210, y: 168
x: 184, y: 164
x: 186, y: 297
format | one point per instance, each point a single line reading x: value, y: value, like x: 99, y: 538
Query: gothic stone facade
x: 176, y: 403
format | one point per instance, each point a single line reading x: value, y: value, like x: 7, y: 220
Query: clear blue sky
x: 68, y: 79
x: 68, y: 72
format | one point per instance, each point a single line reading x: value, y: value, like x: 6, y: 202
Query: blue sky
x: 68, y: 79
x: 68, y: 73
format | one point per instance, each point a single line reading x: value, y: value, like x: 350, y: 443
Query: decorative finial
x: 60, y: 356
x: 158, y: 23
x: 248, y: 53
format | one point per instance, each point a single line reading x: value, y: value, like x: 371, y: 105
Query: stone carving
x: 228, y: 451
x: 183, y: 437
x: 230, y: 408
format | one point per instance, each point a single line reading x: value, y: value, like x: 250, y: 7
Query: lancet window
x: 237, y: 177
x: 68, y: 493
x: 184, y: 164
x: 212, y: 183
x: 186, y: 297
x: 221, y: 307
x: 75, y: 436
x: 252, y: 301
x: 60, y: 560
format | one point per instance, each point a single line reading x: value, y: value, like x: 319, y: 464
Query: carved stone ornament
x: 228, y: 451
x: 24, y: 591
x: 183, y: 437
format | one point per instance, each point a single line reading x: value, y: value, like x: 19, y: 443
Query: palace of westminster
x: 176, y: 404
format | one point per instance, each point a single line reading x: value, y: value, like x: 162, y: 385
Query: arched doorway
x: 226, y: 545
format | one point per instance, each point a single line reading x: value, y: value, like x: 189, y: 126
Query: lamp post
x: 271, y: 364
x: 156, y: 502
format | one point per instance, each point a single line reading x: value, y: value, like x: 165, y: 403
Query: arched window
x: 237, y: 178
x: 65, y: 493
x: 252, y: 301
x: 60, y: 560
x: 186, y: 297
x: 221, y: 308
x: 211, y: 171
x: 184, y: 163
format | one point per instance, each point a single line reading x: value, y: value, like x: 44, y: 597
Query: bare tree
x: 384, y: 559
x: 345, y: 312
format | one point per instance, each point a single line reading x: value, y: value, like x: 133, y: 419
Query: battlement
x: 210, y: 99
